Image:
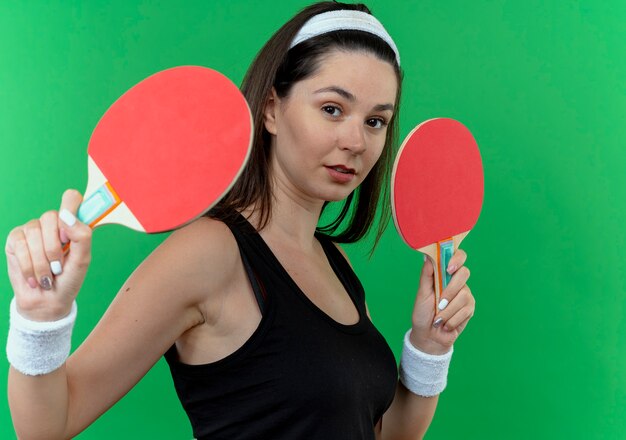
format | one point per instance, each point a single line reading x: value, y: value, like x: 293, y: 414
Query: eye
x: 332, y: 110
x: 377, y: 122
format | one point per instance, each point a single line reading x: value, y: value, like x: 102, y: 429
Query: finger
x: 463, y: 300
x: 463, y: 315
x: 70, y: 201
x: 40, y: 263
x: 457, y: 260
x: 17, y: 247
x: 458, y: 280
x: 423, y: 307
x: 51, y: 241
x: 427, y: 276
x: 78, y: 233
x: 463, y: 325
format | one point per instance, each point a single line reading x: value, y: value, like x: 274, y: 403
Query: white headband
x: 343, y: 20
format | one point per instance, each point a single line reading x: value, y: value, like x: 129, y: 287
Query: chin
x: 334, y: 199
x: 332, y: 192
x: 336, y: 196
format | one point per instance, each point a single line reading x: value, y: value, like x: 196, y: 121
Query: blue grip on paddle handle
x: 96, y: 205
x: 446, y: 250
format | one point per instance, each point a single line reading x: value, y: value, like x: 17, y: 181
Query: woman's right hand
x: 34, y: 250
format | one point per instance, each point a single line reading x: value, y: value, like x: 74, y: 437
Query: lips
x: 342, y: 169
x: 341, y: 174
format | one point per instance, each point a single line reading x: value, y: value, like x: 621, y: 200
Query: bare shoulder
x: 204, y: 239
x: 201, y: 256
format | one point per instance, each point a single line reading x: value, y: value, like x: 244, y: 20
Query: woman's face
x: 330, y: 130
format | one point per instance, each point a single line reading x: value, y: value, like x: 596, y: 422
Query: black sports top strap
x: 243, y: 230
x: 257, y: 287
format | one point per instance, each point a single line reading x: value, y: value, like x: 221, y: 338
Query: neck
x: 293, y: 218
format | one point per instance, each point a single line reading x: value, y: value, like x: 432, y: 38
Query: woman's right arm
x: 169, y: 293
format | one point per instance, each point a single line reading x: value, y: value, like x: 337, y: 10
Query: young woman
x: 257, y: 311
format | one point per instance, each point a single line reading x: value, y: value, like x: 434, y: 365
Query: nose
x: 352, y: 136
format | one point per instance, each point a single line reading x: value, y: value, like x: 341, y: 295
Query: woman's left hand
x: 432, y: 332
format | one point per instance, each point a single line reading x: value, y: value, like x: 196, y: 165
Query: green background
x: 541, y: 84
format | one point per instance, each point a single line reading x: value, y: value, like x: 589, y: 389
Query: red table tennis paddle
x: 437, y: 191
x: 166, y: 151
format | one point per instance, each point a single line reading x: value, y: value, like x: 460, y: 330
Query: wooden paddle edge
x: 393, y: 175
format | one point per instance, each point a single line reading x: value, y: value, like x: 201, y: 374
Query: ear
x: 269, y: 113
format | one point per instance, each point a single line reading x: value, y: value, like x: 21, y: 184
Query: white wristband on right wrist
x: 421, y: 373
x: 35, y: 348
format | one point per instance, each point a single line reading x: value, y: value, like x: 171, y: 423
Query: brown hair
x: 279, y: 67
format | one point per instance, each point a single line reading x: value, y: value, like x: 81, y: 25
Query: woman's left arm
x: 410, y: 415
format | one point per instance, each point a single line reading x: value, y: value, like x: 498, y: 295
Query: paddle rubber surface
x: 172, y: 145
x: 437, y: 183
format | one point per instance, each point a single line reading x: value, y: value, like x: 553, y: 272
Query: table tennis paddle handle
x: 440, y: 254
x: 96, y: 206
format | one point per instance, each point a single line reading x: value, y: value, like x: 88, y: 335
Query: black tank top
x: 301, y: 375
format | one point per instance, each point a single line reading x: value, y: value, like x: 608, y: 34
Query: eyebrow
x: 350, y: 97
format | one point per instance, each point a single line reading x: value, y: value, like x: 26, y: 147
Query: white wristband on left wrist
x: 35, y: 348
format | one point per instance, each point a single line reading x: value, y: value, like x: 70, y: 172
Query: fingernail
x: 425, y: 257
x: 451, y: 268
x: 46, y: 282
x: 55, y: 267
x: 67, y: 217
x: 437, y: 322
x: 443, y: 304
x: 32, y: 282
